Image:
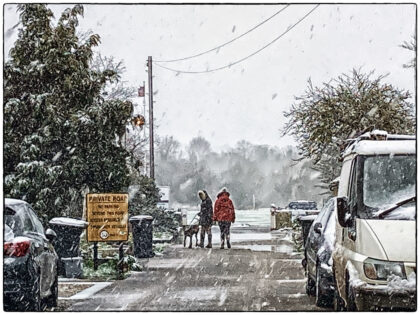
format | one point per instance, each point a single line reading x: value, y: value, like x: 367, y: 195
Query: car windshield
x: 388, y: 180
x: 8, y: 233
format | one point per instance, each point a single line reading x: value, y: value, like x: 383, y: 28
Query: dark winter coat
x: 223, y: 208
x: 206, y: 211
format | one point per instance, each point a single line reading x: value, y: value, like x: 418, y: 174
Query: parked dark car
x: 306, y: 223
x: 318, y: 261
x: 30, y: 279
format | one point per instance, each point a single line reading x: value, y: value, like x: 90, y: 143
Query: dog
x: 189, y: 231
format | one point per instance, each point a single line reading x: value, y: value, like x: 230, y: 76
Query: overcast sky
x: 246, y: 101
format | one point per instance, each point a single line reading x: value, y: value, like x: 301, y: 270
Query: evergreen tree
x: 61, y: 137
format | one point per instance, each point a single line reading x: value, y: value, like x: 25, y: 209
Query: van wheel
x: 351, y: 304
x: 338, y: 303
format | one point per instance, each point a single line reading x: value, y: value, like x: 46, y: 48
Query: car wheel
x: 51, y: 301
x: 321, y: 299
x: 34, y: 300
x: 310, y: 284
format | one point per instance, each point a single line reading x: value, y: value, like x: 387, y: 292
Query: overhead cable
x: 228, y: 42
x: 245, y: 58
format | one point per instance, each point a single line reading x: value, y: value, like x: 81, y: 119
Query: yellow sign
x: 107, y: 215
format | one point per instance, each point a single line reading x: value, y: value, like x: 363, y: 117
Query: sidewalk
x: 260, y: 273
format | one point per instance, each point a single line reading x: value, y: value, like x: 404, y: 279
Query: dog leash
x: 193, y: 219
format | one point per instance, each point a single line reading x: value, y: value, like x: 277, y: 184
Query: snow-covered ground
x: 258, y: 217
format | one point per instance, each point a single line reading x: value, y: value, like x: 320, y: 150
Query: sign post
x: 107, y: 215
x: 95, y: 256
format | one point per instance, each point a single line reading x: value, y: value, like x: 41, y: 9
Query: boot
x: 228, y: 241
x: 222, y: 245
x: 209, y: 244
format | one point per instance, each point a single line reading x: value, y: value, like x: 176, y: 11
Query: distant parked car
x: 301, y: 208
x: 29, y: 261
x: 318, y: 251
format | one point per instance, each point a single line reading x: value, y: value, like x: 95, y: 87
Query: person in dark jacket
x: 224, y: 214
x: 206, y: 217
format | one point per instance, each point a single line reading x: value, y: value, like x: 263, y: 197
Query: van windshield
x: 387, y: 180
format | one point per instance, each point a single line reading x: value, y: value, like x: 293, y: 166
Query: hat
x: 202, y: 194
x: 223, y: 190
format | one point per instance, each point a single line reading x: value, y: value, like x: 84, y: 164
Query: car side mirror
x: 343, y: 213
x: 50, y: 234
x: 318, y: 227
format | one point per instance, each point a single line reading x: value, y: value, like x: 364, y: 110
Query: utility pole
x: 152, y: 152
x: 144, y: 130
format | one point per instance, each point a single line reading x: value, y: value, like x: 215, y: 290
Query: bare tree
x: 198, y: 148
x: 116, y: 88
x: 168, y: 148
x: 412, y: 46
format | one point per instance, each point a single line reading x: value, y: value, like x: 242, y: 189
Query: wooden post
x: 151, y: 141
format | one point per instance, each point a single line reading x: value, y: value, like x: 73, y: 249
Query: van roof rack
x: 378, y: 135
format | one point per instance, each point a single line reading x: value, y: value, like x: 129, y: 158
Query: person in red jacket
x: 224, y: 214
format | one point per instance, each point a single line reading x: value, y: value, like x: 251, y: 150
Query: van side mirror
x: 343, y: 213
x: 50, y: 235
x: 318, y: 227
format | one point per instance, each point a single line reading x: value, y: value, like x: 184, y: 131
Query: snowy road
x: 260, y: 272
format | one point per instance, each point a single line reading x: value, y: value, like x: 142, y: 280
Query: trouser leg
x: 209, y: 236
x: 222, y: 231
x: 222, y: 234
x: 202, y: 236
x: 228, y: 234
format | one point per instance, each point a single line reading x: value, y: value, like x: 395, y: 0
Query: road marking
x: 291, y: 280
x: 87, y: 293
x: 71, y: 281
x: 294, y: 296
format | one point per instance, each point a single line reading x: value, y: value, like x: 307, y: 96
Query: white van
x: 374, y: 259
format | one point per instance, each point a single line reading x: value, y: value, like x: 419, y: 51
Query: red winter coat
x: 223, y: 208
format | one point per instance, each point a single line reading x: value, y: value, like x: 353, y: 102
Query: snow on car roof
x: 374, y: 147
x: 11, y: 202
x: 141, y: 217
x: 302, y: 201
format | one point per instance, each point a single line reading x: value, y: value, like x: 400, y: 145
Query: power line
x: 245, y: 58
x: 228, y: 42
